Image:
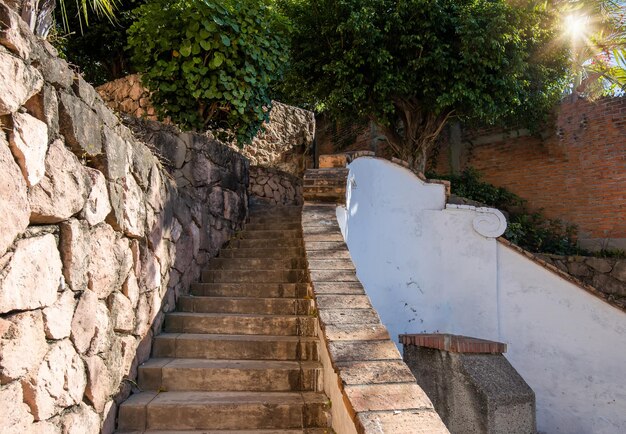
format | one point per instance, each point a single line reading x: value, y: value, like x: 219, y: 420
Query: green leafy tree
x: 411, y: 65
x: 210, y: 64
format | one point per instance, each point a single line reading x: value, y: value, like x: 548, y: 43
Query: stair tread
x: 227, y: 337
x: 238, y: 315
x: 178, y: 363
x: 199, y: 398
x: 222, y: 297
x: 252, y: 431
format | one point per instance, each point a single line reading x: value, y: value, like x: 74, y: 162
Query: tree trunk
x: 413, y: 140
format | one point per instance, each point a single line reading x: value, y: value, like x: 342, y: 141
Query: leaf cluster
x: 481, y: 59
x: 210, y: 63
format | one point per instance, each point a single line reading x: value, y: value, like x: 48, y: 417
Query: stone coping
x: 453, y: 343
x: 590, y: 289
x: 371, y: 389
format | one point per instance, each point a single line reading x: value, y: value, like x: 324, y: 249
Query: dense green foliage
x: 530, y: 230
x: 99, y: 50
x: 410, y: 65
x: 210, y: 63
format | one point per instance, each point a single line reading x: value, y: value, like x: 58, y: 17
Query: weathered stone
x: 134, y: 209
x: 578, y: 269
x: 234, y: 207
x: 122, y: 315
x: 85, y: 91
x: 609, y: 285
x: 33, y: 276
x: 45, y: 107
x: 101, y: 342
x: 45, y: 427
x: 599, y: 264
x: 129, y: 348
x: 619, y: 270
x: 84, y: 321
x: 171, y: 147
x: 110, y: 261
x: 90, y: 325
x: 74, y: 246
x: 81, y: 420
x: 58, y: 317
x: 18, y: 82
x: 58, y: 383
x: 16, y: 417
x: 128, y: 205
x: 114, y: 161
x: 98, y: 382
x: 63, y: 191
x: 15, y: 34
x: 142, y: 315
x: 57, y: 72
x: 156, y: 193
x: 131, y: 289
x: 23, y: 346
x: 150, y: 277
x: 80, y: 125
x: 142, y: 162
x: 29, y: 143
x: 14, y: 207
x: 98, y: 205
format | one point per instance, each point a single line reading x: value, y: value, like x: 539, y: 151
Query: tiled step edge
x: 371, y: 389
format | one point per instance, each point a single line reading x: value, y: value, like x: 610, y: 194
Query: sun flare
x: 576, y: 26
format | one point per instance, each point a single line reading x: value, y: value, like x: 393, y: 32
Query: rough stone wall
x: 607, y: 275
x: 284, y: 144
x: 127, y: 95
x: 97, y: 240
x: 271, y: 186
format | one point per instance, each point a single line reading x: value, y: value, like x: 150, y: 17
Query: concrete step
x: 239, y: 347
x: 274, y: 219
x: 268, y: 252
x: 272, y: 226
x: 222, y: 323
x: 230, y: 375
x: 258, y: 263
x: 254, y: 431
x: 246, y: 305
x: 224, y: 410
x: 254, y: 290
x: 265, y: 243
x: 255, y: 276
x: 249, y: 234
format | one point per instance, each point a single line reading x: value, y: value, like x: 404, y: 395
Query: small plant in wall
x: 210, y: 64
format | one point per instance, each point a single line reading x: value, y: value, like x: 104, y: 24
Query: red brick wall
x: 577, y: 174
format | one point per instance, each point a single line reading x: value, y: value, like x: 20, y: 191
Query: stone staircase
x: 240, y: 354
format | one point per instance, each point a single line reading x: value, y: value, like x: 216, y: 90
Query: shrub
x: 210, y: 63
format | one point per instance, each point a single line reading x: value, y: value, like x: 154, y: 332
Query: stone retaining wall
x: 284, y: 143
x: 98, y: 238
x: 274, y: 187
x: 607, y: 275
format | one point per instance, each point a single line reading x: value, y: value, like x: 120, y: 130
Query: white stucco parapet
x: 489, y: 222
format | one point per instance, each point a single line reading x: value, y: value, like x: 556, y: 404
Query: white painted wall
x: 427, y: 269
